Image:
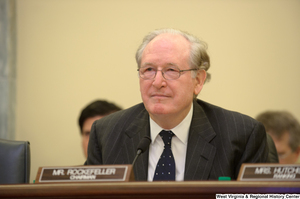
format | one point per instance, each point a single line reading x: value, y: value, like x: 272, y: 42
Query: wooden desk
x: 124, y: 190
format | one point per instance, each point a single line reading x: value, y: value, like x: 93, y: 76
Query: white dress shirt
x: 178, y: 146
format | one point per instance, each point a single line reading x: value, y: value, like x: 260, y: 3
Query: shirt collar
x: 181, y: 130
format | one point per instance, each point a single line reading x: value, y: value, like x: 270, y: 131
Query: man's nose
x: 159, y: 80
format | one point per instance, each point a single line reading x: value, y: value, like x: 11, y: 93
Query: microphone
x: 142, y: 147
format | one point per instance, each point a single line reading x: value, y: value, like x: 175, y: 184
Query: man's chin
x: 158, y: 110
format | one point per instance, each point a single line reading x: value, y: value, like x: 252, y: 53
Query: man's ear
x: 298, y: 153
x: 200, y: 79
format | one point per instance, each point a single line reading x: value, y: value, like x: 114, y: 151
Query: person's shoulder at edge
x: 241, y: 122
x: 113, y: 123
x: 217, y: 110
x: 123, y: 116
x: 219, y: 116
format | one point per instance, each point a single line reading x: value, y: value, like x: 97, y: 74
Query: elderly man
x: 191, y: 139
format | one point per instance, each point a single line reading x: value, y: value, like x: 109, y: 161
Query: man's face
x: 163, y: 97
x: 86, y: 129
x: 285, y: 153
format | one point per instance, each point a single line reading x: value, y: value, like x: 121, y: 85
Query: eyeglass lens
x: 168, y: 72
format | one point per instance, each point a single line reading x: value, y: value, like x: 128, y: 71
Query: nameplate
x: 269, y: 172
x: 99, y: 173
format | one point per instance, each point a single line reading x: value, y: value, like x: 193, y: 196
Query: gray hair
x: 279, y: 122
x: 199, y: 59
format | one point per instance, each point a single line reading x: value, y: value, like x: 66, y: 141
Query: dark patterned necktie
x: 165, y: 168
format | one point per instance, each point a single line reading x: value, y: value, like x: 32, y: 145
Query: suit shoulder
x: 123, y: 116
x: 218, y: 114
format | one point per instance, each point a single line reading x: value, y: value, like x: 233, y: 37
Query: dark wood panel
x: 199, y: 189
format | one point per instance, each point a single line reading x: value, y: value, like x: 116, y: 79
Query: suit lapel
x: 136, y: 130
x: 200, y: 153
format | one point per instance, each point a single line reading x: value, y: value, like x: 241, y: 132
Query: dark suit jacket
x: 273, y: 156
x: 219, y: 141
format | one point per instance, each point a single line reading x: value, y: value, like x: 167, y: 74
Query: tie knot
x: 166, y: 137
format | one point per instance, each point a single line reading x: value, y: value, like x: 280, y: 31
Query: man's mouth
x: 159, y: 96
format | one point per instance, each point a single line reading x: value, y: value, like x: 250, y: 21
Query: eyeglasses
x: 169, y: 73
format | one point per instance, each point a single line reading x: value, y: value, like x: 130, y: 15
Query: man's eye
x: 149, y: 69
x: 171, y: 70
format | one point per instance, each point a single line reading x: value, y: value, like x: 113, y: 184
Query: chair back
x: 14, y: 162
